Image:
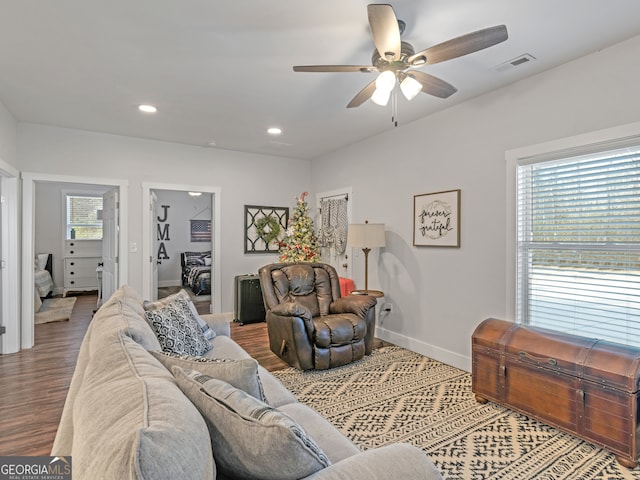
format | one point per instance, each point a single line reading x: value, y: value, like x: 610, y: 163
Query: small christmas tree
x: 300, y: 243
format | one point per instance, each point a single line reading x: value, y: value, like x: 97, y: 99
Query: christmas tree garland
x: 300, y: 243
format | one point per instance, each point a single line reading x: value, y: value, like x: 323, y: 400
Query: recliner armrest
x: 398, y: 460
x: 292, y: 309
x: 356, y: 304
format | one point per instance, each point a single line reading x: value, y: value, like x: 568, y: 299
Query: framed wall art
x: 264, y: 227
x: 200, y: 230
x: 436, y: 219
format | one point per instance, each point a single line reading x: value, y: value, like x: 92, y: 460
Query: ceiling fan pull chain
x: 394, y: 108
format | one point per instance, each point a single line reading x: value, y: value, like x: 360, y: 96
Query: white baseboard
x: 445, y: 356
x: 169, y: 283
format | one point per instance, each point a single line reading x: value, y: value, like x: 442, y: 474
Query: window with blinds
x: 578, y: 245
x: 84, y: 219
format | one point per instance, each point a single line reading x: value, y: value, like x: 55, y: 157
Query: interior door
x: 110, y: 228
x: 341, y: 261
x: 153, y: 260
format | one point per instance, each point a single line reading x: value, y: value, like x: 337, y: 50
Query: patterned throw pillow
x: 242, y: 374
x: 194, y: 258
x: 176, y: 328
x: 204, y: 326
x: 249, y: 438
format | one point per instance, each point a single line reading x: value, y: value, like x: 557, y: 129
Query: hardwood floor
x: 34, y: 382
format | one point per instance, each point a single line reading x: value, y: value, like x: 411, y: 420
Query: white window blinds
x: 578, y: 245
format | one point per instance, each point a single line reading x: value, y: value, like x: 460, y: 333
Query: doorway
x: 177, y: 219
x: 29, y: 230
x: 9, y: 261
x: 332, y: 225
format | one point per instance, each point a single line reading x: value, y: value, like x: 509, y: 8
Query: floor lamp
x: 366, y: 236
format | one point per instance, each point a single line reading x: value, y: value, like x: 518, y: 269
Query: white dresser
x: 81, y: 259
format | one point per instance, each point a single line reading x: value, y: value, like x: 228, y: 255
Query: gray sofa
x: 125, y: 415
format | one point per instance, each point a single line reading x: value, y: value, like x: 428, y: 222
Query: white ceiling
x: 220, y: 70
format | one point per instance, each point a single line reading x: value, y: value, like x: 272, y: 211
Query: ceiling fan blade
x: 459, y: 46
x: 433, y: 85
x: 363, y: 95
x: 335, y: 68
x: 385, y: 30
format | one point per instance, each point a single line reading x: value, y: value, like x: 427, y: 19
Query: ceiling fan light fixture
x: 381, y: 97
x: 410, y: 87
x: 386, y: 81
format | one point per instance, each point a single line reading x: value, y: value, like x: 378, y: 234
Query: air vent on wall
x: 515, y: 62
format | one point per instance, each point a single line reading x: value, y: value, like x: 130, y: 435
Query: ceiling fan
x: 395, y: 59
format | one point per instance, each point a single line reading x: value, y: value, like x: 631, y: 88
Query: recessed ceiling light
x: 147, y: 108
x: 212, y: 143
x: 274, y: 131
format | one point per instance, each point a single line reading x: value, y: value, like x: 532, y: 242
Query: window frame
x: 593, y: 142
x: 66, y: 230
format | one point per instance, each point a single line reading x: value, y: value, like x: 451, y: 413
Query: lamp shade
x: 366, y: 235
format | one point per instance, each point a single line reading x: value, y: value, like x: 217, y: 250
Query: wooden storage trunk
x: 585, y: 386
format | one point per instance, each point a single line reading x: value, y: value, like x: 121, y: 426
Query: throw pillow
x: 177, y: 330
x: 249, y: 438
x: 204, y: 326
x: 242, y: 374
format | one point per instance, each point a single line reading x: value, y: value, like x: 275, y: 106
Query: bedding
x: 196, y: 271
x: 42, y: 275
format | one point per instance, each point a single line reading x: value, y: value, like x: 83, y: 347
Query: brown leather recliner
x: 310, y: 325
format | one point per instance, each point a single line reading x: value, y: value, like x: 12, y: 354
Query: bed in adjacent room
x: 43, y: 279
x: 43, y: 274
x: 196, y: 271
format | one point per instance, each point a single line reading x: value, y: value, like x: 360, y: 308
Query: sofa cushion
x: 276, y: 393
x: 251, y: 440
x: 132, y: 421
x: 123, y: 311
x: 182, y: 294
x: 177, y: 329
x: 333, y: 443
x: 242, y: 374
x: 223, y: 346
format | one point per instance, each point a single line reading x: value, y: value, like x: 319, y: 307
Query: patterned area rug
x: 396, y: 395
x: 55, y: 310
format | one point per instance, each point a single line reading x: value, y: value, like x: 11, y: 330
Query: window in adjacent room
x: 84, y: 217
x: 578, y: 244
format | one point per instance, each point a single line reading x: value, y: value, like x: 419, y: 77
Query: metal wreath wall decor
x: 263, y: 228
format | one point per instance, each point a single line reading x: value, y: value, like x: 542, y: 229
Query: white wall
x: 441, y: 294
x: 242, y: 178
x: 8, y: 137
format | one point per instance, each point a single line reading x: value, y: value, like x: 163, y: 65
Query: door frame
x: 28, y: 235
x: 10, y: 255
x: 348, y: 255
x: 147, y: 238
